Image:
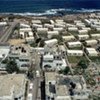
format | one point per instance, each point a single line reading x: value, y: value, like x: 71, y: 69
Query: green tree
x: 64, y: 71
x: 83, y: 64
x: 12, y: 66
x: 58, y: 37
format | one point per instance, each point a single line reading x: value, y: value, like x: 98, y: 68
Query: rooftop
x: 50, y: 76
x: 11, y: 82
x: 4, y: 50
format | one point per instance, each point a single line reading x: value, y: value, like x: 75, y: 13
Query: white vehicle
x: 37, y: 73
x: 29, y: 96
x: 31, y: 86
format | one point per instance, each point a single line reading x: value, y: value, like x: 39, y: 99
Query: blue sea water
x: 40, y: 7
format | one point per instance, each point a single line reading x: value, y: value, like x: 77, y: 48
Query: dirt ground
x: 16, y: 41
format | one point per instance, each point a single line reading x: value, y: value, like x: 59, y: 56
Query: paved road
x: 36, y: 80
x: 8, y: 32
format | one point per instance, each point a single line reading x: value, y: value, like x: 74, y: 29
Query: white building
x: 12, y: 87
x: 83, y: 37
x: 91, y: 42
x: 3, y: 23
x: 42, y: 30
x: 37, y: 25
x: 98, y: 28
x: 21, y: 54
x: 87, y: 21
x: 25, y: 29
x: 91, y: 52
x: 29, y: 39
x: 82, y: 31
x: 60, y: 87
x: 86, y: 28
x: 77, y: 21
x: 55, y: 61
x: 51, y: 26
x: 22, y: 25
x: 51, y: 42
x: 38, y: 49
x: 52, y: 22
x: 74, y: 44
x: 80, y: 25
x: 68, y: 38
x: 75, y: 52
x: 59, y: 20
x: 72, y: 29
x: 60, y: 25
x: 25, y: 32
x: 60, y: 29
x: 4, y: 52
x: 62, y: 49
x: 52, y: 33
x: 36, y: 21
x: 95, y: 36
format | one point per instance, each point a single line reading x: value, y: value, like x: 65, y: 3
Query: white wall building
x: 35, y: 21
x: 55, y: 61
x: 22, y: 25
x: 72, y: 29
x: 52, y: 33
x: 75, y: 52
x: 83, y: 37
x: 60, y: 29
x: 86, y: 28
x: 42, y: 30
x: 51, y: 26
x: 68, y: 38
x: 58, y: 87
x: 3, y: 23
x: 80, y: 25
x: 51, y: 42
x: 91, y: 52
x: 4, y: 52
x: 95, y: 36
x: 82, y: 31
x: 37, y: 25
x: 21, y: 54
x: 91, y: 42
x: 74, y: 44
x: 25, y: 32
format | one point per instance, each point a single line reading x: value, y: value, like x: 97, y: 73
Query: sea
x: 48, y: 7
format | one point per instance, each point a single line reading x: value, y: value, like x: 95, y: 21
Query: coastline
x: 54, y: 12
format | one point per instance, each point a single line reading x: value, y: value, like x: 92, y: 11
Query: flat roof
x: 85, y: 35
x: 74, y: 51
x: 51, y: 41
x: 89, y: 41
x: 62, y: 47
x: 50, y: 76
x: 91, y: 50
x: 74, y: 43
x: 95, y: 34
x: 4, y: 50
x: 11, y: 82
x: 62, y: 90
x: 69, y: 36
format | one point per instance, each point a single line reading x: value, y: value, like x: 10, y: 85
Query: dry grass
x: 16, y: 41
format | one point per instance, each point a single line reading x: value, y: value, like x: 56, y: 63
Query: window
x: 52, y: 98
x: 16, y: 99
x: 57, y: 64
